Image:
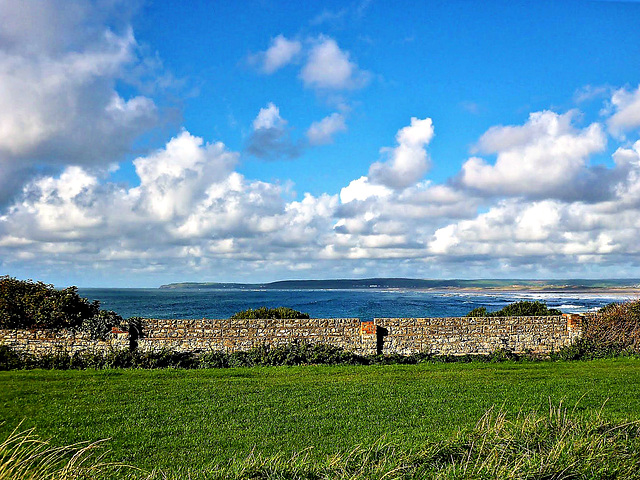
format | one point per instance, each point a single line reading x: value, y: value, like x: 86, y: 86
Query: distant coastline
x: 584, y: 286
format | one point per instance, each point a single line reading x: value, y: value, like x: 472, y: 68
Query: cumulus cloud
x: 362, y: 189
x: 192, y: 213
x: 408, y: 162
x: 270, y: 138
x: 58, y: 100
x: 173, y: 179
x: 329, y: 68
x: 280, y: 53
x: 326, y: 67
x: 190, y: 204
x: 626, y: 106
x: 542, y: 157
x: 322, y: 132
x: 572, y: 234
x: 521, y: 232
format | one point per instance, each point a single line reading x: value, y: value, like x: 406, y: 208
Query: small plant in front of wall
x: 264, y: 312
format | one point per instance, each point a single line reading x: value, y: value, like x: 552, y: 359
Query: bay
x: 365, y: 304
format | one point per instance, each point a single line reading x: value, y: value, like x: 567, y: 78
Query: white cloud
x: 58, y: 100
x: 626, y: 105
x: 408, y: 162
x: 361, y: 189
x: 190, y: 206
x: 270, y: 138
x: 562, y: 233
x: 329, y: 16
x: 268, y: 117
x: 66, y: 106
x: 176, y: 177
x: 280, y: 53
x: 329, y: 68
x: 193, y: 214
x: 590, y: 92
x: 322, y: 132
x: 541, y: 157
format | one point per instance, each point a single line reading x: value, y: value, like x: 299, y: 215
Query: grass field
x: 169, y: 419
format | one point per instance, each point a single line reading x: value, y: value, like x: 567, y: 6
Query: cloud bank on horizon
x: 100, y: 185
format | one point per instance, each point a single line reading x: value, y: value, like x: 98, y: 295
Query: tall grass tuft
x: 553, y: 446
x: 24, y: 456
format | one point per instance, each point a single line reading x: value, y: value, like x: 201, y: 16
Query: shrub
x: 479, y: 312
x: 296, y: 353
x: 28, y: 304
x: 101, y: 324
x: 10, y: 359
x: 517, y: 309
x: 615, y: 326
x: 264, y: 312
x: 614, y: 330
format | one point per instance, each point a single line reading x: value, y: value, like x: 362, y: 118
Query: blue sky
x: 145, y: 143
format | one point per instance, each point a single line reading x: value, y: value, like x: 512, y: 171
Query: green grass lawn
x: 170, y: 419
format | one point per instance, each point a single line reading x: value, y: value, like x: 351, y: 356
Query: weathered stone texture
x: 41, y: 342
x: 456, y: 336
x: 234, y: 335
x: 478, y: 335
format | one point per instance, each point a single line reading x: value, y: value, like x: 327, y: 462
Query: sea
x: 365, y: 304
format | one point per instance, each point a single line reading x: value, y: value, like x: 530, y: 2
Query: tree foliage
x: 99, y: 326
x: 517, y: 309
x: 29, y: 304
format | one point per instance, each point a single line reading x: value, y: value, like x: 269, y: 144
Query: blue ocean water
x: 361, y: 303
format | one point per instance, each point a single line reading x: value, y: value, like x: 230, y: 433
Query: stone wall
x: 234, y: 335
x: 477, y: 335
x: 456, y: 336
x: 41, y: 342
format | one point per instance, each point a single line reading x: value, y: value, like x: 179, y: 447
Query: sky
x: 150, y: 142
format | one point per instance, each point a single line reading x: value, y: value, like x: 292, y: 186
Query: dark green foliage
x: 297, y: 353
x: 214, y: 359
x: 10, y: 359
x: 479, y: 312
x: 101, y: 324
x: 517, y: 309
x: 294, y: 354
x: 264, y: 312
x: 615, y: 327
x: 28, y: 304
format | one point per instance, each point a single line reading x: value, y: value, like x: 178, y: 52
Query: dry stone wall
x: 455, y: 336
x: 234, y: 335
x: 477, y: 335
x: 42, y: 342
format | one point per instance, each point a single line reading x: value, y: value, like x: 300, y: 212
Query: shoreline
x: 597, y: 291
x: 603, y: 292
